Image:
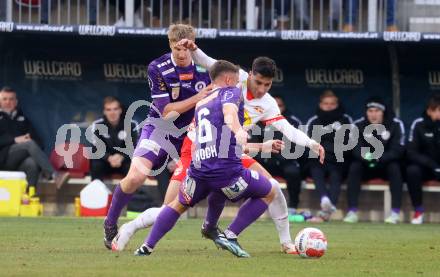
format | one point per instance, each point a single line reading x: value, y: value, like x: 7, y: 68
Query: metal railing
x: 322, y: 15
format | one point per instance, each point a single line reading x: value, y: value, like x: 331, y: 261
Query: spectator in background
x: 423, y: 154
x: 121, y: 8
x: 283, y: 11
x: 366, y: 165
x: 115, y: 136
x: 277, y: 165
x: 20, y: 147
x: 329, y: 118
x: 351, y: 8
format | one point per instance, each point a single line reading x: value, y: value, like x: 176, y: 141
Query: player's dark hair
x: 220, y: 67
x: 434, y: 102
x: 264, y: 66
x: 7, y: 89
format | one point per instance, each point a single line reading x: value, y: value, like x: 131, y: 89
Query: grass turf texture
x: 74, y: 247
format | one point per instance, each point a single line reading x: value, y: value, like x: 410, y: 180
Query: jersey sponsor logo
x: 167, y: 62
x: 175, y: 92
x: 186, y: 85
x: 186, y: 76
x: 168, y: 71
x: 200, y: 85
x: 200, y: 69
x: 150, y: 145
x: 259, y: 109
x: 235, y: 190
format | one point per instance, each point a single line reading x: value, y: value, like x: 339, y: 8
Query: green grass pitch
x: 51, y: 246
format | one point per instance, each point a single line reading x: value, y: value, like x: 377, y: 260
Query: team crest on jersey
x: 200, y: 85
x: 259, y: 109
x: 175, y: 92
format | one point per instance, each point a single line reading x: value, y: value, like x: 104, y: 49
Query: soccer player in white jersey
x: 259, y: 106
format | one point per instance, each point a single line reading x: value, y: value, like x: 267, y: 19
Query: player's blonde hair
x: 176, y: 32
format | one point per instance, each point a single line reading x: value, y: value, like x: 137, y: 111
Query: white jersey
x: 264, y: 109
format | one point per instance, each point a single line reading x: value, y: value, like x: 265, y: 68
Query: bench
x: 371, y: 185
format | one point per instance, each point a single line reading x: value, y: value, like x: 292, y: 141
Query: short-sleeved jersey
x: 217, y: 155
x: 170, y: 83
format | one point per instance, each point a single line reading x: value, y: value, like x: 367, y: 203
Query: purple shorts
x: 156, y: 146
x: 249, y: 184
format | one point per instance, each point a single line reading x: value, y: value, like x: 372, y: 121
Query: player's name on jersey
x: 206, y: 153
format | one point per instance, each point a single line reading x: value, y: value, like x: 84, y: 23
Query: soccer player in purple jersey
x: 176, y: 85
x: 217, y: 167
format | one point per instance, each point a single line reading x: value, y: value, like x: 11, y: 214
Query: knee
x: 271, y: 195
x: 177, y: 206
x: 413, y: 170
x: 31, y: 145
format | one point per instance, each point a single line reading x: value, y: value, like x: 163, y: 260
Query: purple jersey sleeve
x: 159, y: 91
x: 231, y: 95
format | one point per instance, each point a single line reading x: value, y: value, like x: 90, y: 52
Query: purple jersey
x: 170, y: 83
x: 217, y: 155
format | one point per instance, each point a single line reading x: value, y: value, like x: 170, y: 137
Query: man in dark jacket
x: 330, y: 123
x: 277, y: 165
x: 423, y: 153
x: 378, y: 128
x: 19, y: 144
x: 113, y: 137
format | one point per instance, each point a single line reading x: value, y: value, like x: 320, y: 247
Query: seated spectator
x: 301, y: 8
x: 328, y: 120
x: 20, y: 147
x: 352, y: 10
x: 423, y: 154
x: 113, y: 161
x: 121, y: 7
x: 368, y: 165
x: 277, y: 165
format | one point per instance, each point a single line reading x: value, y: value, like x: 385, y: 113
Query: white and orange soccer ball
x: 311, y: 243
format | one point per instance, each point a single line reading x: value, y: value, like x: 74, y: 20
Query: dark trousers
x: 29, y: 157
x: 291, y: 171
x: 415, y: 175
x: 335, y: 174
x: 359, y: 171
x: 99, y: 169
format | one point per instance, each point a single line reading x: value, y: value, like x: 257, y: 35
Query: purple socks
x: 119, y: 200
x: 249, y: 212
x: 216, y: 204
x: 164, y: 223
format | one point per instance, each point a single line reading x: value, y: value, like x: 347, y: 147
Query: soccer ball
x: 311, y: 243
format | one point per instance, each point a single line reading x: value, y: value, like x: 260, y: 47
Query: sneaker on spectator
x: 394, y: 218
x: 417, y: 218
x: 351, y: 217
x: 327, y: 205
x: 120, y: 22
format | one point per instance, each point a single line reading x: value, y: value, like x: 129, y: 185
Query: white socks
x: 278, y: 212
x: 145, y: 219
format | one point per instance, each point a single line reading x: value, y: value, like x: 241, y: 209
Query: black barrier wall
x: 62, y: 78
